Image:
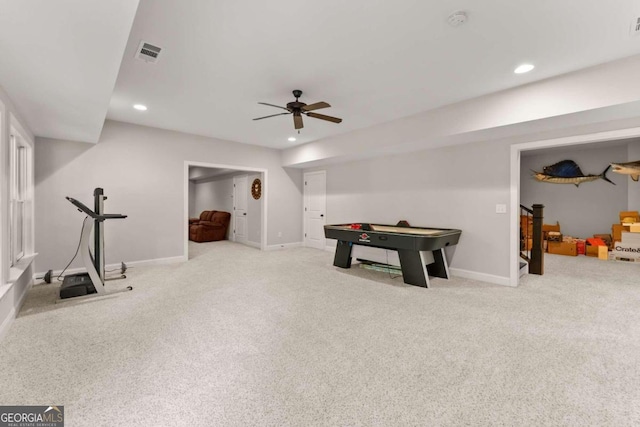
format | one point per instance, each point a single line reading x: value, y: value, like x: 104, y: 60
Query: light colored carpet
x: 240, y: 337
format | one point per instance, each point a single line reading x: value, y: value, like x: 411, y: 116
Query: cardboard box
x: 631, y: 238
x: 628, y: 248
x: 554, y: 236
x: 607, y: 239
x: 563, y: 248
x: 635, y: 227
x: 616, y: 231
x: 602, y: 252
x: 626, y: 252
x: 633, y: 215
x: 546, y: 228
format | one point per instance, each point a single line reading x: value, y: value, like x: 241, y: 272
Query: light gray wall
x: 216, y: 194
x: 254, y: 211
x: 582, y: 211
x: 192, y: 200
x: 634, y: 187
x: 452, y: 187
x: 142, y: 172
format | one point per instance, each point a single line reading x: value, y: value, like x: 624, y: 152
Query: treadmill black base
x: 76, y: 285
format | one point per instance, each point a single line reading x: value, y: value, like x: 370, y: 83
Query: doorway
x: 516, y: 150
x: 315, y: 206
x: 209, y: 186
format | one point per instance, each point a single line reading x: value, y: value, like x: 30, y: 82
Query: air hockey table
x: 413, y: 245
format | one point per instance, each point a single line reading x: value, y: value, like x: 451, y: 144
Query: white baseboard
x: 283, y: 246
x: 253, y: 244
x: 6, y: 323
x: 142, y: 263
x: 148, y: 262
x: 465, y: 274
x: 482, y: 277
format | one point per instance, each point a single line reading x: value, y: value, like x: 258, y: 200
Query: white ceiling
x: 373, y: 61
x: 59, y: 61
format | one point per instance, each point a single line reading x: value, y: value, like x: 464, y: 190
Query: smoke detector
x: 148, y: 52
x: 457, y: 18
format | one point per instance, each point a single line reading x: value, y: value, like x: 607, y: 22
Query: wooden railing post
x: 536, y: 266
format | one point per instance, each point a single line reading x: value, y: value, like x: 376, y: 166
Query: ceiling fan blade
x: 316, y: 106
x: 271, y: 105
x: 273, y: 115
x: 323, y: 117
x: 297, y: 121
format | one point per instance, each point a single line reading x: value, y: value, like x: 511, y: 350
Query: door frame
x: 514, y: 199
x: 263, y: 199
x: 304, y: 195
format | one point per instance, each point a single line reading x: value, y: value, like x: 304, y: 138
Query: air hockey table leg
x: 342, y: 257
x: 413, y: 267
x: 439, y: 268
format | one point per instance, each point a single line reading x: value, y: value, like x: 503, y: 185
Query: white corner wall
x: 142, y: 172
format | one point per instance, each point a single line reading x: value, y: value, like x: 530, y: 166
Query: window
x: 18, y: 198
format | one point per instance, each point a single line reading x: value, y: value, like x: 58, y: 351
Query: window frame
x: 20, y: 197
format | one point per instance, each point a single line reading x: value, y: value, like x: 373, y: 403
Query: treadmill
x: 91, y: 282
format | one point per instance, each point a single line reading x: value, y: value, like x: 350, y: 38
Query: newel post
x: 536, y: 266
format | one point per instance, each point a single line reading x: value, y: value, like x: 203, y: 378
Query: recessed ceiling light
x: 291, y: 139
x: 524, y: 68
x: 140, y: 107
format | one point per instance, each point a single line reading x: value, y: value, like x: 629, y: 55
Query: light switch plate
x: 501, y: 209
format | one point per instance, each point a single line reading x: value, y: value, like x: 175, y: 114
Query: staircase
x: 531, y: 249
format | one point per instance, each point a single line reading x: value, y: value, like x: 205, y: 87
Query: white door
x: 315, y: 204
x: 240, y: 193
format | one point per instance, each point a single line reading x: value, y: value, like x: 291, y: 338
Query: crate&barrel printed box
x: 626, y: 252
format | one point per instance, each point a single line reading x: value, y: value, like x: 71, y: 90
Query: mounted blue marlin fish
x: 568, y: 172
x: 631, y: 168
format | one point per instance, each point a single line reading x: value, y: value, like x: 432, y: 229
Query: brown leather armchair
x: 204, y: 216
x: 211, y: 226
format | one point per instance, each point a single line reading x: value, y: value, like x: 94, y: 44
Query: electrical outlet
x: 501, y: 209
x: 279, y: 233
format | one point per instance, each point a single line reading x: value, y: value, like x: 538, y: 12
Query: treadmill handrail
x: 82, y: 207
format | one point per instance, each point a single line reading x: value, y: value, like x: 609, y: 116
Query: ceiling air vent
x: 148, y: 52
x: 635, y: 26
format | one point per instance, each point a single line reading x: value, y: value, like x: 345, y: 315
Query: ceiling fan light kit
x: 298, y: 108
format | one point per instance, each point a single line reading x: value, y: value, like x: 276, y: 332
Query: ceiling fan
x: 298, y: 108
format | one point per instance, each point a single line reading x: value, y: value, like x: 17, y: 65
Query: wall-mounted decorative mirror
x: 256, y: 188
